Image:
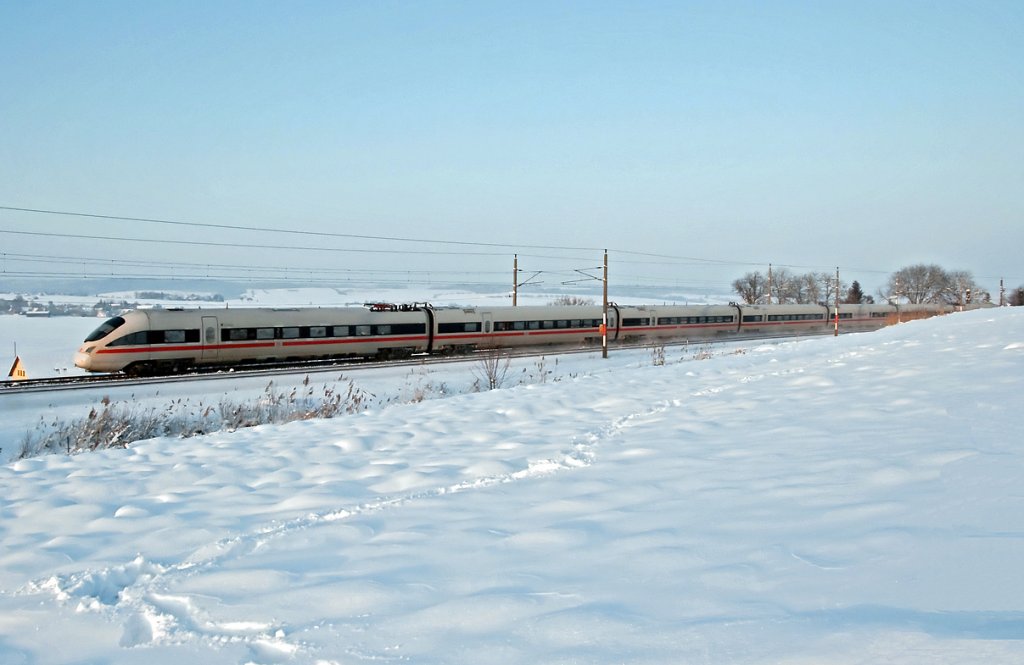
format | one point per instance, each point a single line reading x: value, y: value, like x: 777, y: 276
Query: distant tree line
x: 913, y: 284
x: 19, y: 305
x: 164, y: 295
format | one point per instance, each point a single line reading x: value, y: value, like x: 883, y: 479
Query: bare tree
x: 931, y: 284
x: 491, y: 370
x: 962, y: 288
x: 807, y: 289
x: 752, y: 287
x: 782, y: 286
x: 572, y: 301
x: 917, y: 284
x: 827, y: 283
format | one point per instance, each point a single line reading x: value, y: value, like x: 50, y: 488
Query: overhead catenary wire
x: 323, y: 234
x: 465, y: 248
x: 644, y: 256
x: 668, y: 259
x: 141, y: 263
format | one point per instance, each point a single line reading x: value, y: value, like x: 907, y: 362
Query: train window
x: 363, y: 331
x: 534, y: 325
x: 631, y: 323
x: 237, y: 334
x: 548, y: 324
x: 519, y: 325
x: 575, y: 323
x: 318, y: 331
x: 457, y: 327
x: 107, y: 327
x: 290, y: 332
x: 340, y: 331
x: 383, y: 330
x: 265, y: 333
x: 173, y: 336
x: 753, y: 318
x: 131, y: 339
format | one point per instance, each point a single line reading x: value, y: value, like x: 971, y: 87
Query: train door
x: 210, y: 341
x: 487, y: 324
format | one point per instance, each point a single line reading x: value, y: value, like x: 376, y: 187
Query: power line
x: 327, y: 234
x: 668, y: 260
x: 101, y: 262
x: 210, y: 243
x: 323, y: 234
x: 246, y: 279
x: 238, y: 227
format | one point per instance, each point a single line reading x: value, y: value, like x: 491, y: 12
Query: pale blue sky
x: 868, y: 135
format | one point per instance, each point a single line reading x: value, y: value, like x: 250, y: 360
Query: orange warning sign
x: 17, y: 370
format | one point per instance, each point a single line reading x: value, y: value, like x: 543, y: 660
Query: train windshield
x: 108, y: 327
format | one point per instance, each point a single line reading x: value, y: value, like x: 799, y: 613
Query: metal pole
x: 515, y: 278
x: 604, y: 320
x: 837, y: 302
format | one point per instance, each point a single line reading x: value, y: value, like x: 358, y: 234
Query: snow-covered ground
x: 841, y: 500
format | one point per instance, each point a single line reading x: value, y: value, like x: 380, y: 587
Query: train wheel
x: 139, y: 370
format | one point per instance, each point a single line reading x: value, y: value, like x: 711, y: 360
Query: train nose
x: 83, y: 359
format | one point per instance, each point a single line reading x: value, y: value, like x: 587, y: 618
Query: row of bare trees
x: 913, y: 284
x: 785, y: 287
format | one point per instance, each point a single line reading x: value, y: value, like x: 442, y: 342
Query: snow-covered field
x: 841, y: 500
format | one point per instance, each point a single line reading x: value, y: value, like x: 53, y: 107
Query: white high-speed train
x: 163, y: 341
